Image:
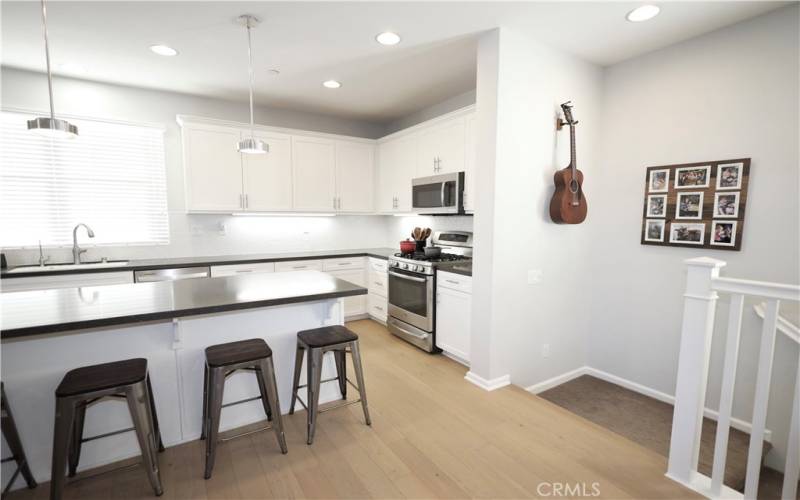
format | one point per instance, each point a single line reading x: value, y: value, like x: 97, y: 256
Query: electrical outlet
x: 545, y: 350
x: 222, y: 229
x: 534, y: 276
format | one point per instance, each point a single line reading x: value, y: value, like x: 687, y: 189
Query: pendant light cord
x: 47, y: 58
x: 250, y: 57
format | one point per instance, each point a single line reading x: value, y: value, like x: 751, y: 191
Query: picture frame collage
x: 697, y: 205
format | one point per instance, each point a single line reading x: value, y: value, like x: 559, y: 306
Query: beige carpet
x: 648, y: 422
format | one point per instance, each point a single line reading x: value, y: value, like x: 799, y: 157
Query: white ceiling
x: 313, y: 41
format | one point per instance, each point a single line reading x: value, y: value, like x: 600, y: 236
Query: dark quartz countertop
x: 165, y: 263
x: 461, y: 267
x: 59, y: 310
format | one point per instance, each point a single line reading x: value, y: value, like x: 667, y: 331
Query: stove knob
x: 404, y: 266
x: 420, y: 268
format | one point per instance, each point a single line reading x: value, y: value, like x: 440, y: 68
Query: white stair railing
x: 702, y: 287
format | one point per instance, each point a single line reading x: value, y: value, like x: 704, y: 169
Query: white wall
x: 195, y: 234
x: 729, y: 94
x: 513, y: 228
x: 442, y: 108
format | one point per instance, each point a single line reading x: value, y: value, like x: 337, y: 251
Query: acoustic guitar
x: 568, y: 205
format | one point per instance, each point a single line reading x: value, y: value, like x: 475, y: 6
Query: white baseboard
x: 557, y: 380
x: 736, y: 423
x: 488, y: 385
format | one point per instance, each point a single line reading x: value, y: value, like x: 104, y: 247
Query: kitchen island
x: 48, y: 332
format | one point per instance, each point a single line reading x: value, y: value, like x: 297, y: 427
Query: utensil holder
x: 421, y: 245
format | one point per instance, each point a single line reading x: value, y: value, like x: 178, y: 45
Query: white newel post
x: 700, y: 303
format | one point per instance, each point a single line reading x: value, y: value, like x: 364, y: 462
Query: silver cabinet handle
x: 453, y: 282
x: 378, y: 283
x: 378, y: 308
x: 299, y: 267
x: 246, y: 201
x: 239, y: 271
x: 344, y: 264
x: 241, y: 201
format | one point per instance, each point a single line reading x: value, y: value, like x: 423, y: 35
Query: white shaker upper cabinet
x: 314, y: 163
x: 469, y: 163
x: 441, y: 148
x: 397, y: 160
x: 355, y: 163
x: 212, y: 168
x: 267, y: 178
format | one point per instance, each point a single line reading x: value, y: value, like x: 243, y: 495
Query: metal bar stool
x: 14, y: 445
x: 317, y: 342
x: 82, y: 387
x: 221, y: 361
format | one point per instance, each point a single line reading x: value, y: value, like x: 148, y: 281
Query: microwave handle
x: 444, y: 185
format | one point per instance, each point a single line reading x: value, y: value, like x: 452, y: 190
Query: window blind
x: 111, y: 177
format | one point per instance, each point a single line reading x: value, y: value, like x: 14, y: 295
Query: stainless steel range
x: 412, y: 288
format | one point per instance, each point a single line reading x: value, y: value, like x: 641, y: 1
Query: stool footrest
x: 107, y: 434
x: 233, y: 403
x: 243, y: 434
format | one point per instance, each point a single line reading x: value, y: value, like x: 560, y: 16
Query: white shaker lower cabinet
x: 346, y: 268
x: 453, y: 306
x: 66, y: 281
x: 377, y: 284
x: 234, y: 269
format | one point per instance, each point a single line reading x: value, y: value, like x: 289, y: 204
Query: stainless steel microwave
x: 438, y: 194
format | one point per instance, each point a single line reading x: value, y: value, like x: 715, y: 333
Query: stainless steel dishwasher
x: 178, y: 273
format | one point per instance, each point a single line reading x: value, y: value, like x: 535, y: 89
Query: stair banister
x: 703, y: 283
x: 700, y: 302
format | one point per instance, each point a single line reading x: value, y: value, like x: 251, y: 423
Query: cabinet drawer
x: 234, y: 269
x: 298, y: 265
x: 377, y: 306
x: 378, y: 265
x: 454, y: 281
x: 343, y: 263
x: 378, y: 283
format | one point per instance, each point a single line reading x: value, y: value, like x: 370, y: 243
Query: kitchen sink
x: 68, y: 266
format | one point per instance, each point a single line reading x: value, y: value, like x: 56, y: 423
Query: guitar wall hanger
x: 560, y: 122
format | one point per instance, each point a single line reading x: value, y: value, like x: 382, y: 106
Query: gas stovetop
x: 421, y: 264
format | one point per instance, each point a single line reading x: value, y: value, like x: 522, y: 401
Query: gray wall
x: 195, y: 234
x: 732, y: 93
x: 444, y: 107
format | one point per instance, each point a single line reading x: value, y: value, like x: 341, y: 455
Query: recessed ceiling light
x: 331, y: 84
x: 164, y: 50
x: 643, y: 13
x: 388, y: 38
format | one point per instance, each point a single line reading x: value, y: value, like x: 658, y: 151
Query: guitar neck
x: 572, y: 160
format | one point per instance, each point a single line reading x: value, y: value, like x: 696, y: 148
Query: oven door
x: 411, y: 299
x: 439, y: 194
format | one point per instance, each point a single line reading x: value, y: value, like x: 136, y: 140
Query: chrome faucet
x: 76, y: 250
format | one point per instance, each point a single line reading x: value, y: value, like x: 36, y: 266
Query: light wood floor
x: 434, y: 435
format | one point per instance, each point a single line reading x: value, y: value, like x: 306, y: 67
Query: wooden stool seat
x: 326, y: 336
x: 237, y: 352
x: 104, y: 376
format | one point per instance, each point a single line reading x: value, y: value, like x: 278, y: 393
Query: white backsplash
x: 210, y: 235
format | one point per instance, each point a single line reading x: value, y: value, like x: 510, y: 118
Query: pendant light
x: 52, y: 126
x: 251, y: 145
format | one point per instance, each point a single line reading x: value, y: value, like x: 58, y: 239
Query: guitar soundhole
x: 573, y: 186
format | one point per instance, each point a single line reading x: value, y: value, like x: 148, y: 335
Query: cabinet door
x: 397, y: 161
x: 441, y: 148
x: 212, y: 168
x: 469, y: 163
x: 314, y: 166
x: 267, y: 178
x: 355, y: 163
x: 353, y: 306
x: 453, y: 322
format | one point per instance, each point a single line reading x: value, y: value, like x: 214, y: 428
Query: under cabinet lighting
x: 163, y: 50
x: 406, y: 215
x: 281, y: 214
x: 331, y: 84
x: 388, y: 38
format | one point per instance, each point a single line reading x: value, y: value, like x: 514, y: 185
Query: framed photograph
x: 726, y: 205
x: 723, y: 233
x: 689, y: 205
x: 729, y: 175
x: 689, y: 233
x: 657, y: 205
x: 692, y: 177
x: 654, y: 230
x: 659, y: 181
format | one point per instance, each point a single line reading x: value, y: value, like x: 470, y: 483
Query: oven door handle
x: 408, y: 332
x: 410, y: 278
